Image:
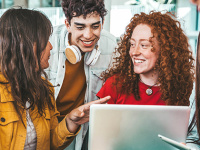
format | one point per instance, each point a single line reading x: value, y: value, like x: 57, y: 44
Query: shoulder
x: 5, y: 90
x: 111, y: 79
x: 50, y: 85
x: 107, y: 39
x: 57, y: 38
x: 60, y: 29
x: 107, y: 42
x: 58, y: 32
x: 3, y: 83
x: 107, y: 35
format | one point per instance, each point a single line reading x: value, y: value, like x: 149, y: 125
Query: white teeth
x: 138, y: 61
x: 87, y: 42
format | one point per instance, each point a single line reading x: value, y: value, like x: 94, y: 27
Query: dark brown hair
x: 75, y: 8
x: 20, y: 30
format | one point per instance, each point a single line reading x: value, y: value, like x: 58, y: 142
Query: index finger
x: 102, y: 100
x: 99, y: 101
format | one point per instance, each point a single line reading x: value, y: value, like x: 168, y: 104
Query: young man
x: 81, y: 51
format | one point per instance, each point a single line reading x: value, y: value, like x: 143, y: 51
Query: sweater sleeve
x: 108, y: 89
x: 60, y: 135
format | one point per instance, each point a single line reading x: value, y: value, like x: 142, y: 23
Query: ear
x: 67, y: 24
x: 102, y: 23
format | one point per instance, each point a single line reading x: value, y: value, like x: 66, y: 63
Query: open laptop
x: 136, y: 127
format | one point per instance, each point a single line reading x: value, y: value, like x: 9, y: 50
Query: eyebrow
x: 82, y: 24
x: 98, y: 22
x: 139, y: 40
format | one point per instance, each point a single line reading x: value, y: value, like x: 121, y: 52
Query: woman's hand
x: 80, y: 115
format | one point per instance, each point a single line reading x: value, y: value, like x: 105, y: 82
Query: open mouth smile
x: 88, y: 43
x: 138, y: 61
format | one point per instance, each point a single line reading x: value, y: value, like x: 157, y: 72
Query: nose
x: 88, y: 33
x: 50, y: 45
x: 135, y: 51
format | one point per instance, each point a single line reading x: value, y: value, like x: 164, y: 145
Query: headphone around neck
x: 73, y: 54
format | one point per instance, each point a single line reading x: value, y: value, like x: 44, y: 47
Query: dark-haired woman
x: 28, y: 115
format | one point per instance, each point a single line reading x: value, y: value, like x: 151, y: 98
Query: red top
x: 118, y: 98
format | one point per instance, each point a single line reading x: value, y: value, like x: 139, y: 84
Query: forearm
x: 71, y: 125
x: 61, y: 137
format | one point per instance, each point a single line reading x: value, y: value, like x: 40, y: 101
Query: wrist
x: 71, y: 125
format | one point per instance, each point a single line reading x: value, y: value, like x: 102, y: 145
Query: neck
x: 149, y: 79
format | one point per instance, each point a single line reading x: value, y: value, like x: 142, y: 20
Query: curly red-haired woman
x: 154, y: 64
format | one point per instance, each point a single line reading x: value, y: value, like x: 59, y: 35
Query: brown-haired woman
x: 28, y: 115
x: 154, y: 64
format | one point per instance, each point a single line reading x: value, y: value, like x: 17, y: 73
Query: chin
x: 45, y: 67
x: 87, y: 50
x: 138, y: 71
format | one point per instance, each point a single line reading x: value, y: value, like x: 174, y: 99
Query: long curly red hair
x: 175, y: 63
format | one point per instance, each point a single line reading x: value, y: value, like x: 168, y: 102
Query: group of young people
x: 50, y: 76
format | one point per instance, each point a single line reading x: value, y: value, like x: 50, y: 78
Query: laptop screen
x: 136, y: 127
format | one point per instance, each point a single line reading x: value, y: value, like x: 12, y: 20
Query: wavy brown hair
x: 175, y: 63
x: 20, y: 30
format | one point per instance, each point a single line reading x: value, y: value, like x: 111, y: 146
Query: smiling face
x: 85, y: 32
x: 144, y: 60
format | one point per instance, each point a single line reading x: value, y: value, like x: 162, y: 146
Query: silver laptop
x: 136, y: 127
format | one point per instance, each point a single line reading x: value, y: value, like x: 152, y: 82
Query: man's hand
x: 80, y: 115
